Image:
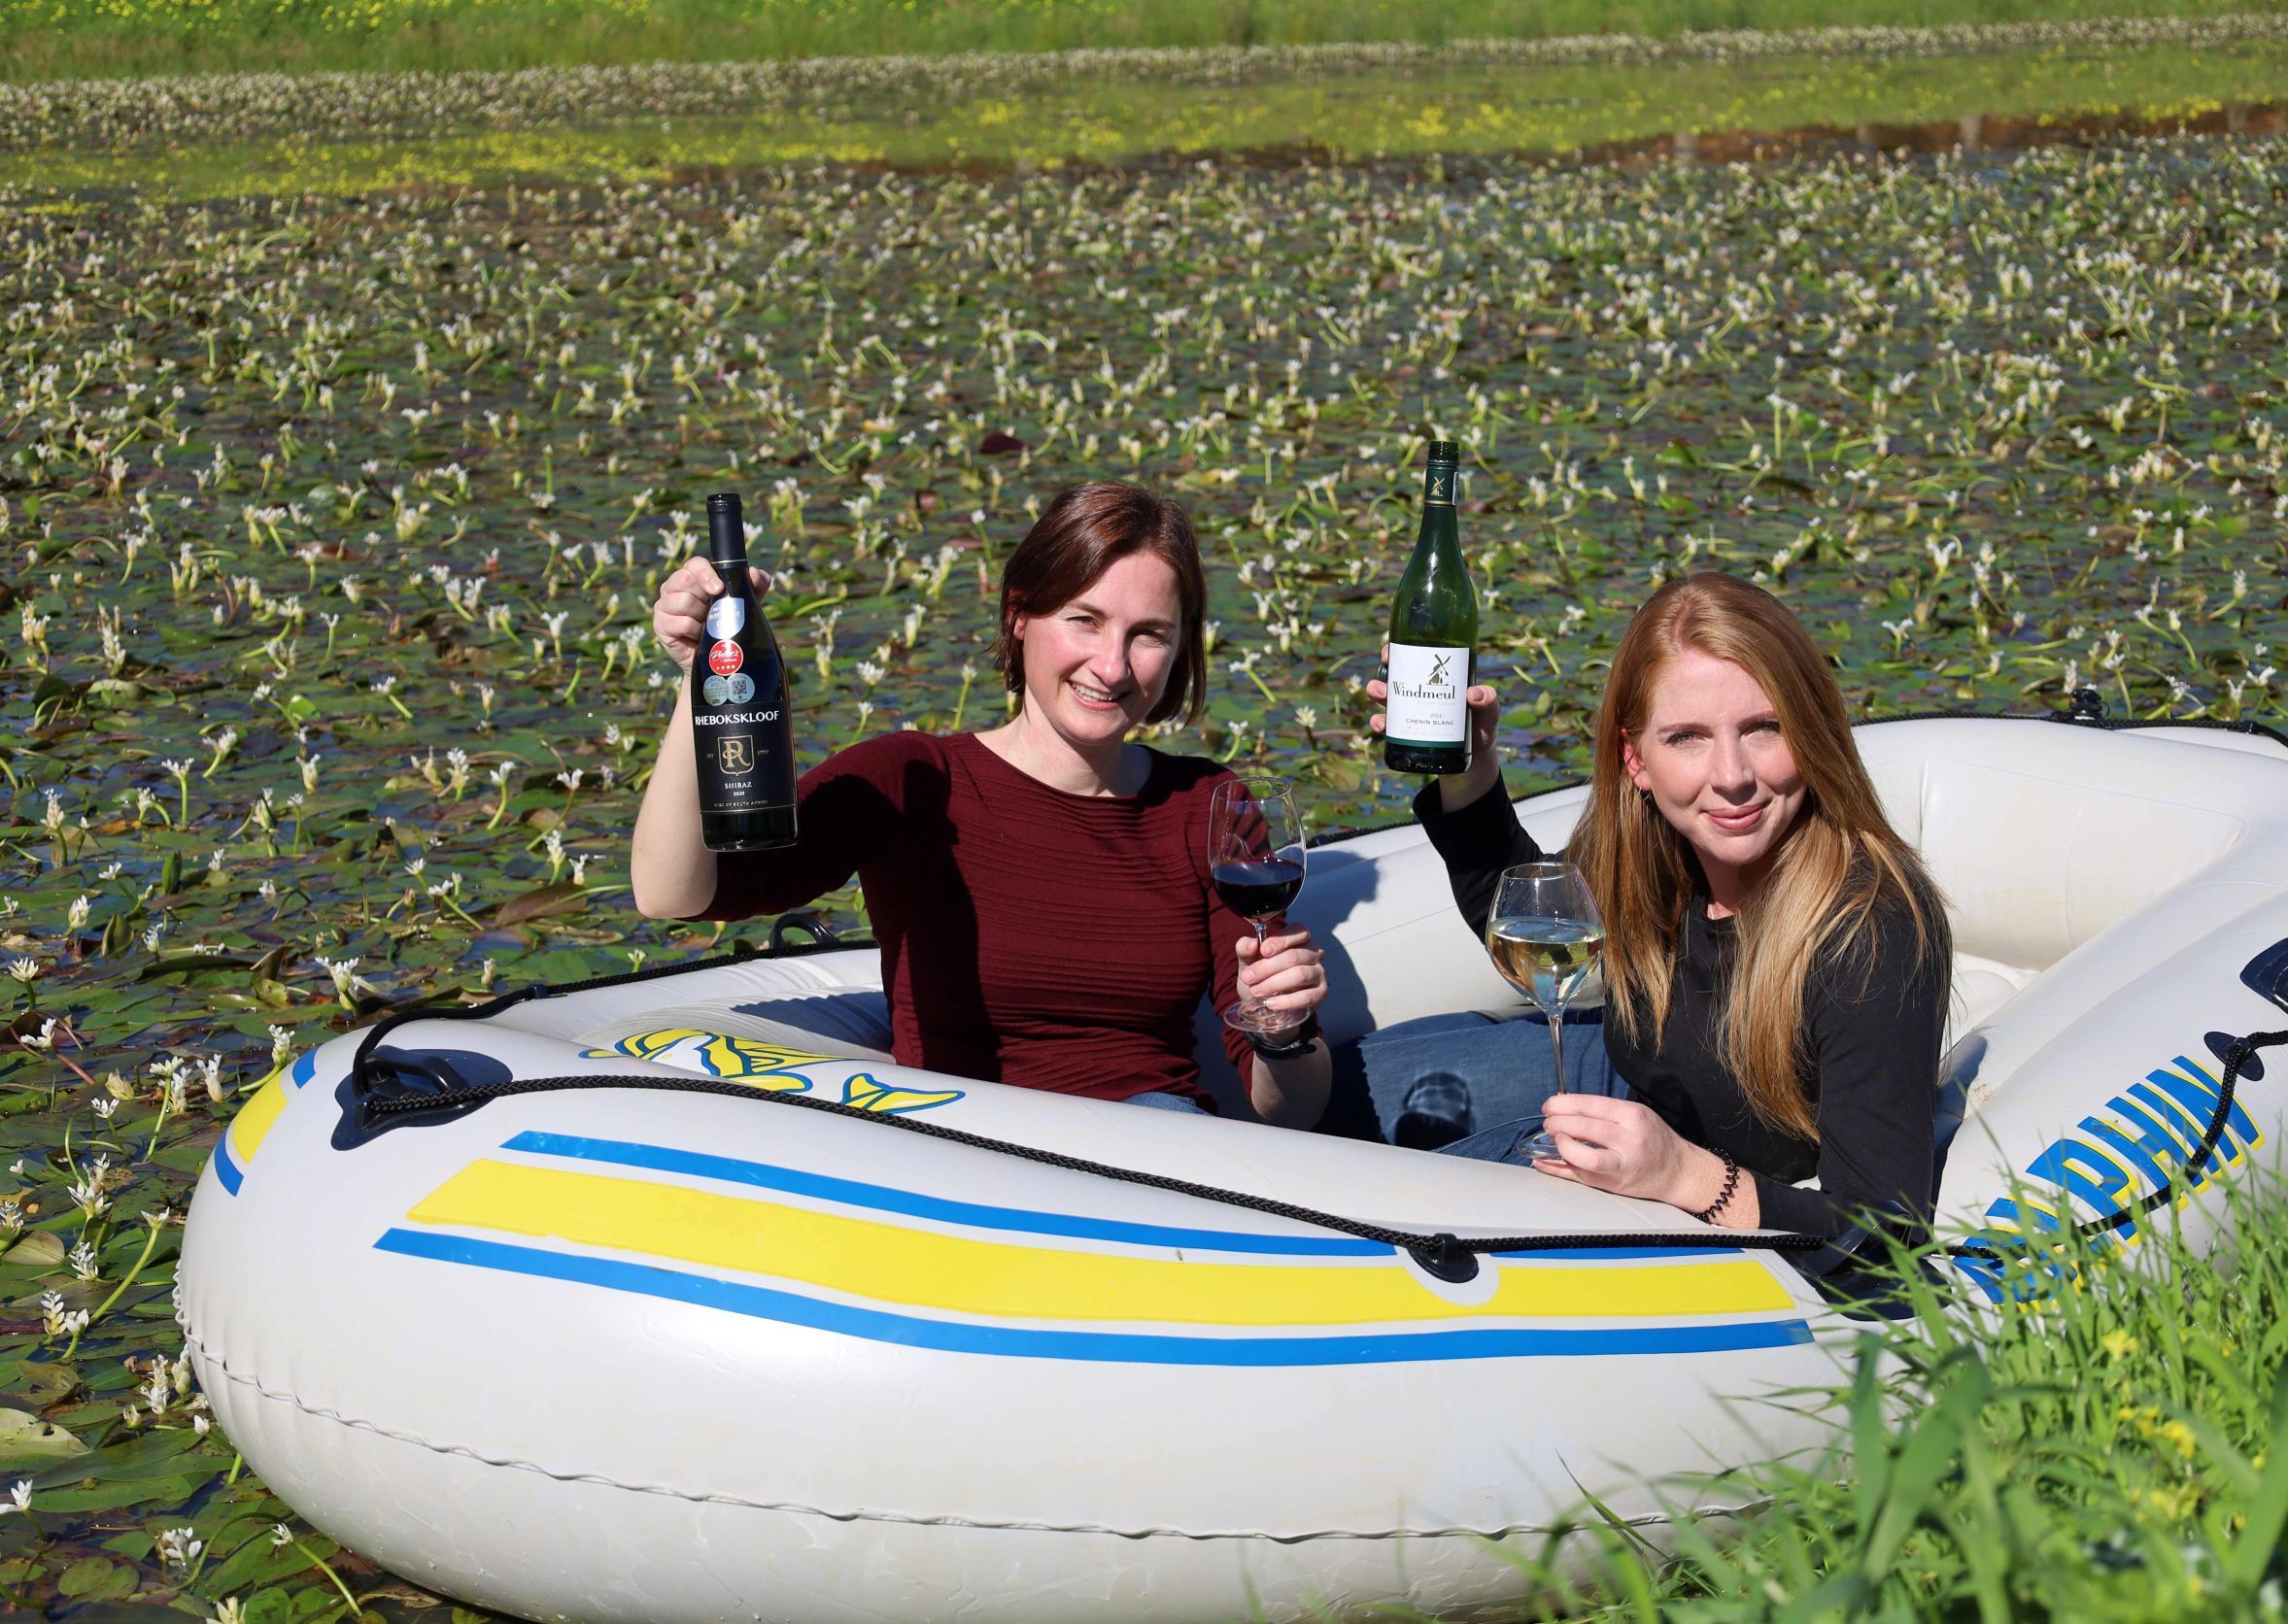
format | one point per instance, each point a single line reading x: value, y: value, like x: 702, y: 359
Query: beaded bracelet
x: 1731, y: 1182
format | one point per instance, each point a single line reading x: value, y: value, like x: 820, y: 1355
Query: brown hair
x: 1083, y: 533
x: 1835, y: 862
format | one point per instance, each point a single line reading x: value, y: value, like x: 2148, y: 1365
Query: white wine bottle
x: 1433, y: 636
x: 742, y: 728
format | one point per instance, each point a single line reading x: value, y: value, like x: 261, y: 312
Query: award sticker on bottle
x: 726, y: 617
x: 737, y: 689
x: 717, y: 689
x: 724, y: 658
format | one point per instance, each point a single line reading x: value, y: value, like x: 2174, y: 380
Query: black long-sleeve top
x: 1874, y: 1022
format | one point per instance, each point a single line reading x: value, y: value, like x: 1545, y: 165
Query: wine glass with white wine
x: 1546, y: 940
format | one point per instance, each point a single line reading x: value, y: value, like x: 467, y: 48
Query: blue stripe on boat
x: 884, y: 1199
x: 913, y: 1204
x: 228, y: 1171
x: 1024, y: 1342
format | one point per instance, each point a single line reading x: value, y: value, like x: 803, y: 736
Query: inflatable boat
x: 671, y: 1297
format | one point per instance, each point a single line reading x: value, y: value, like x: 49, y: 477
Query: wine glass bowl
x: 1546, y: 939
x: 1256, y: 859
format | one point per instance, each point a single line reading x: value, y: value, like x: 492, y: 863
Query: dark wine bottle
x: 1433, y: 636
x: 742, y: 728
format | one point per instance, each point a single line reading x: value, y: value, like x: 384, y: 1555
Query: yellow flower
x: 2118, y: 1344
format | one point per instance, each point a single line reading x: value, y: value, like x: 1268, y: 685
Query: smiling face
x: 1096, y: 665
x: 1712, y: 755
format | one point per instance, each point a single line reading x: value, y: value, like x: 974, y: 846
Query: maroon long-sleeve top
x: 1029, y: 936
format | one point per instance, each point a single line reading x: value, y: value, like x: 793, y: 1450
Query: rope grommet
x: 1445, y: 1258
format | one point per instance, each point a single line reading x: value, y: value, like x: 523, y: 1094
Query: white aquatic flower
x: 26, y: 970
x: 87, y: 1190
x: 20, y: 1497
x: 82, y: 1258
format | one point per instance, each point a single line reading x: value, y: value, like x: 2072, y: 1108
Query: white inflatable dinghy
x: 647, y: 1349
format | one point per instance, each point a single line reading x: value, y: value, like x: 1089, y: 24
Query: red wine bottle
x: 742, y: 728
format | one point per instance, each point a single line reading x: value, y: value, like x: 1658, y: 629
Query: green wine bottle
x: 1433, y: 636
x: 742, y: 728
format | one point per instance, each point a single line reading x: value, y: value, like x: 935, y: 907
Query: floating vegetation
x: 331, y: 528
x: 148, y: 115
x: 1701, y: 108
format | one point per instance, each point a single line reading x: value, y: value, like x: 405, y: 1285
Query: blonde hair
x: 1835, y: 862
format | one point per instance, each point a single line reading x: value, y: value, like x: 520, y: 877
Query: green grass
x: 2116, y: 1452
x: 74, y: 39
x: 1362, y: 114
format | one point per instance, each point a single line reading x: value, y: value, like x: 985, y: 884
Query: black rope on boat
x: 2237, y: 1054
x: 1444, y: 1255
x: 1447, y: 1256
x: 360, y: 1063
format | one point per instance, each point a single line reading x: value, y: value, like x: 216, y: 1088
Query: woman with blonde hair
x: 1776, y: 961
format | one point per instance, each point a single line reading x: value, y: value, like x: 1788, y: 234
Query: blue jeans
x: 1161, y: 1099
x: 1462, y: 1083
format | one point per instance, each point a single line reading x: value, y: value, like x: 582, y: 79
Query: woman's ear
x: 1635, y: 765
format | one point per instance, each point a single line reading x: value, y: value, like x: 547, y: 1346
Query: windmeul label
x: 1426, y: 688
x: 1438, y: 485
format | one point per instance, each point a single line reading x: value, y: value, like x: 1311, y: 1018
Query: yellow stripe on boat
x: 959, y: 1274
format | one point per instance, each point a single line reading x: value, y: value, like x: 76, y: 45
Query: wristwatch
x: 1289, y: 1043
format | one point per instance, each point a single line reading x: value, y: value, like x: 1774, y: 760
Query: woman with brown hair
x: 1776, y: 962
x: 1040, y: 888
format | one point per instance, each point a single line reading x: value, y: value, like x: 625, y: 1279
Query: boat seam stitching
x: 294, y: 1401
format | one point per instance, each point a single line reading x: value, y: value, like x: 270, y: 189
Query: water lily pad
x: 41, y: 1383
x: 26, y: 1438
x: 546, y: 901
x: 35, y: 1249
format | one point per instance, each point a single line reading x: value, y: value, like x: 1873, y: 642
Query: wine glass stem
x: 1557, y: 1043
x: 1254, y: 1002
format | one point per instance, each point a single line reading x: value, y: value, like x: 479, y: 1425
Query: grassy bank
x: 69, y: 39
x: 2019, y: 99
x: 2116, y: 1455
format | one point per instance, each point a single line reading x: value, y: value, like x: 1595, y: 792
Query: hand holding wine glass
x: 1546, y: 940
x: 1256, y: 859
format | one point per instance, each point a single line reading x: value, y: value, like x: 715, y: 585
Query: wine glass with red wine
x: 1255, y: 858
